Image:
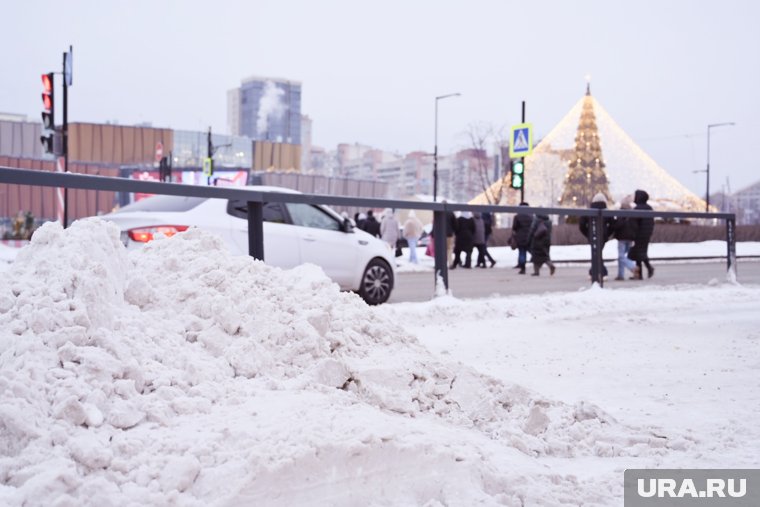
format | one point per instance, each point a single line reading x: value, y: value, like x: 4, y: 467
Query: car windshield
x: 163, y: 203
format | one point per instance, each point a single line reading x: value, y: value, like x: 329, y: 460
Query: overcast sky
x: 370, y: 71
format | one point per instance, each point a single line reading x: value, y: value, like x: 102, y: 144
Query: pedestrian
x: 389, y: 228
x: 479, y: 239
x: 488, y: 222
x: 540, y: 235
x: 599, y: 201
x: 521, y: 229
x: 360, y: 219
x: 412, y: 233
x: 463, y: 241
x: 644, y: 228
x: 451, y: 228
x: 625, y: 232
x: 371, y: 225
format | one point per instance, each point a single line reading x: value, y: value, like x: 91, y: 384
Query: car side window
x: 273, y: 211
x: 307, y: 215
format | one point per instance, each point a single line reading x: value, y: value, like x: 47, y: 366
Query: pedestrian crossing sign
x: 521, y: 140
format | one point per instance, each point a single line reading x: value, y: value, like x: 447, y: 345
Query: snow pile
x: 178, y: 374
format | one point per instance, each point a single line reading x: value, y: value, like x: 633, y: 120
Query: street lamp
x: 712, y: 125
x: 435, y: 152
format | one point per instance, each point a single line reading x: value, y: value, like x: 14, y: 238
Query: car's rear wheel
x: 377, y: 282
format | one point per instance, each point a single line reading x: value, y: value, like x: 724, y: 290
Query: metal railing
x: 256, y: 198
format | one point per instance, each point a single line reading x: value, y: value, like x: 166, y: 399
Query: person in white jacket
x: 412, y: 233
x: 389, y: 228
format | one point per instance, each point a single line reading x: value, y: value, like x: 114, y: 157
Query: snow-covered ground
x: 179, y: 375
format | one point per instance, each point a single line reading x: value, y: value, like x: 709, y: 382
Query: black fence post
x: 597, y: 244
x: 441, y: 257
x: 731, y: 244
x: 256, y: 230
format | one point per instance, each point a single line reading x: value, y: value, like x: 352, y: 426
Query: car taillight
x: 145, y: 234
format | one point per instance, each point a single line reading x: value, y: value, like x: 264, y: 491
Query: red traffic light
x: 47, y: 91
x: 47, y: 82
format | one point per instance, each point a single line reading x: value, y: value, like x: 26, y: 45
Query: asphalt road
x: 479, y: 283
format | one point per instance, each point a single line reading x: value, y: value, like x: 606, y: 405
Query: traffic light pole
x: 65, y: 143
x: 522, y: 188
x: 210, y: 156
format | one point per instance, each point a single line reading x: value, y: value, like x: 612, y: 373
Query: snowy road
x: 481, y: 283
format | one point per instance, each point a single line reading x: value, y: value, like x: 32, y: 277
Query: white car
x: 293, y: 234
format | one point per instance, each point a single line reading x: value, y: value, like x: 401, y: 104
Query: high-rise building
x: 305, y: 143
x: 266, y: 109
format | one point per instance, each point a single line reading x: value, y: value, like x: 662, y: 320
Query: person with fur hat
x: 389, y: 228
x: 412, y: 234
x: 644, y: 229
x: 598, y: 202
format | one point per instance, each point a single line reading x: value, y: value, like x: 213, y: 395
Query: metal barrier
x: 256, y: 198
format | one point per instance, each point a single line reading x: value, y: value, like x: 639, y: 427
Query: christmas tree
x: 585, y: 173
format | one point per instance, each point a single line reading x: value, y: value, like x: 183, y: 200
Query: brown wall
x: 117, y: 144
x: 268, y: 155
x: 41, y: 201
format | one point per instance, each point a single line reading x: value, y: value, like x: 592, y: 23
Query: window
x: 273, y: 211
x: 306, y: 215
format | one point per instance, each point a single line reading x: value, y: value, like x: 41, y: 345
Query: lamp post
x: 435, y: 152
x: 707, y: 196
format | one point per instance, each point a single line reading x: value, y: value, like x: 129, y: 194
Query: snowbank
x: 178, y: 374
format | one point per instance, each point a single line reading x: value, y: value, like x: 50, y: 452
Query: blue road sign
x: 521, y: 140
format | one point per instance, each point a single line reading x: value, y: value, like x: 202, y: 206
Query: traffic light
x: 518, y: 173
x: 48, y: 102
x: 208, y: 166
x: 48, y: 113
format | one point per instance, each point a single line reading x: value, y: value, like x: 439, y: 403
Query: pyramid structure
x: 624, y: 165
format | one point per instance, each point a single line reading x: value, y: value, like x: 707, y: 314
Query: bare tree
x: 483, y: 136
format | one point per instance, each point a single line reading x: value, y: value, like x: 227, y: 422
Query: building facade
x: 746, y: 204
x: 266, y: 109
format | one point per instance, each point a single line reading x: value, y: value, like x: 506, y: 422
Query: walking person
x: 644, y: 229
x: 488, y: 223
x: 359, y: 219
x: 370, y: 225
x: 463, y: 241
x: 521, y: 229
x: 479, y: 239
x: 412, y: 233
x: 389, y: 228
x: 540, y: 235
x: 625, y: 232
x: 608, y: 223
x: 451, y: 229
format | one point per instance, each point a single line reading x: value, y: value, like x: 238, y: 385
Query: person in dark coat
x: 479, y: 239
x: 371, y: 225
x: 464, y: 240
x: 451, y: 229
x: 608, y: 225
x: 488, y: 223
x: 359, y: 219
x: 540, y: 237
x: 625, y: 232
x: 644, y: 228
x: 520, y: 228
